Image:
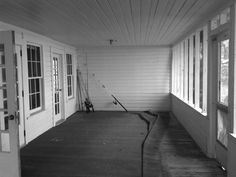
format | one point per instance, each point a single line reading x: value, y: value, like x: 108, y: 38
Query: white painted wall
x: 194, y: 122
x: 138, y: 77
x: 38, y: 123
x: 231, y: 155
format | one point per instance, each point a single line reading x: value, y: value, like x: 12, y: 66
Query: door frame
x: 21, y: 95
x: 61, y: 60
x: 215, y: 146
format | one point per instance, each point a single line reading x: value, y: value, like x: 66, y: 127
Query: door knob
x: 11, y: 117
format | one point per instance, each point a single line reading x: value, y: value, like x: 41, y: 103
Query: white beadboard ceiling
x: 94, y: 22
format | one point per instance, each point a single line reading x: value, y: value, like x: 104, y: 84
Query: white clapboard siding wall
x: 138, y: 76
x: 39, y: 122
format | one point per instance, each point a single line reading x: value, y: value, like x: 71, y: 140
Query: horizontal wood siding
x: 39, y: 122
x: 194, y: 122
x: 138, y: 77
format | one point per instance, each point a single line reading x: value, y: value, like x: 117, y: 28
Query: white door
x: 20, y: 94
x: 9, y: 140
x: 221, y: 52
x: 57, y: 88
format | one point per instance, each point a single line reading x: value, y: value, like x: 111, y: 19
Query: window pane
x: 33, y: 53
x: 38, y: 69
x: 201, y: 70
x: 215, y: 22
x: 38, y: 99
x: 38, y: 54
x: 28, y: 53
x: 3, y: 74
x: 69, y: 80
x: 188, y: 67
x: 34, y: 69
x: 194, y: 57
x: 225, y: 16
x: 224, y: 71
x: 37, y: 85
x: 30, y: 102
x: 56, y: 109
x: 33, y: 101
x: 4, y: 93
x: 68, y: 69
x: 30, y: 69
x: 32, y: 82
x: 222, y: 127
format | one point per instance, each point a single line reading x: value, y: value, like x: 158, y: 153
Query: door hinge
x: 24, y: 133
x: 21, y: 53
x: 23, y: 93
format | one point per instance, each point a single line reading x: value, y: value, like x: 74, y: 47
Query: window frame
x: 41, y: 79
x: 69, y: 75
x: 186, y: 75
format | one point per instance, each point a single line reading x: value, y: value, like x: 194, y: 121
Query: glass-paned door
x: 9, y: 140
x: 57, y: 87
x: 221, y: 51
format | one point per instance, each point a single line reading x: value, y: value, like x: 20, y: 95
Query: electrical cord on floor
x: 149, y: 129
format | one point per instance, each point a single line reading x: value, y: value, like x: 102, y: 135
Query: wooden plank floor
x: 171, y: 152
x: 108, y: 144
x: 100, y: 144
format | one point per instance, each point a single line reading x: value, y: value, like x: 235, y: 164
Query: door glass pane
x: 222, y: 127
x: 224, y: 72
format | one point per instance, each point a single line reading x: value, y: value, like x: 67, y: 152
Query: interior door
x: 9, y: 140
x: 57, y: 87
x: 19, y: 94
x: 222, y: 52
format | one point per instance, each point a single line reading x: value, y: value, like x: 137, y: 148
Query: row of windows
x: 35, y: 77
x: 189, y: 70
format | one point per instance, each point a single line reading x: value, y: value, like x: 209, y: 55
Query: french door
x: 9, y: 139
x: 221, y: 57
x: 57, y: 87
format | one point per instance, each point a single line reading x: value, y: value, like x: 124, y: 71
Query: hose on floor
x: 149, y: 129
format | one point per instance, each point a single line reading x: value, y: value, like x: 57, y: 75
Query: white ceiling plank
x: 177, y: 8
x: 180, y: 16
x: 201, y: 9
x: 167, y: 13
x: 93, y: 22
x: 136, y: 17
x: 125, y: 6
x: 181, y: 27
x: 145, y: 17
x: 156, y: 20
x: 117, y: 11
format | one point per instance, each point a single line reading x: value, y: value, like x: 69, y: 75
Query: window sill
x: 70, y: 98
x: 32, y: 112
x: 199, y: 110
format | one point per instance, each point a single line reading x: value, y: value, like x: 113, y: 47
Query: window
x: 220, y: 19
x: 194, y: 67
x: 34, y: 77
x: 189, y: 63
x: 69, y: 75
x: 224, y: 72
